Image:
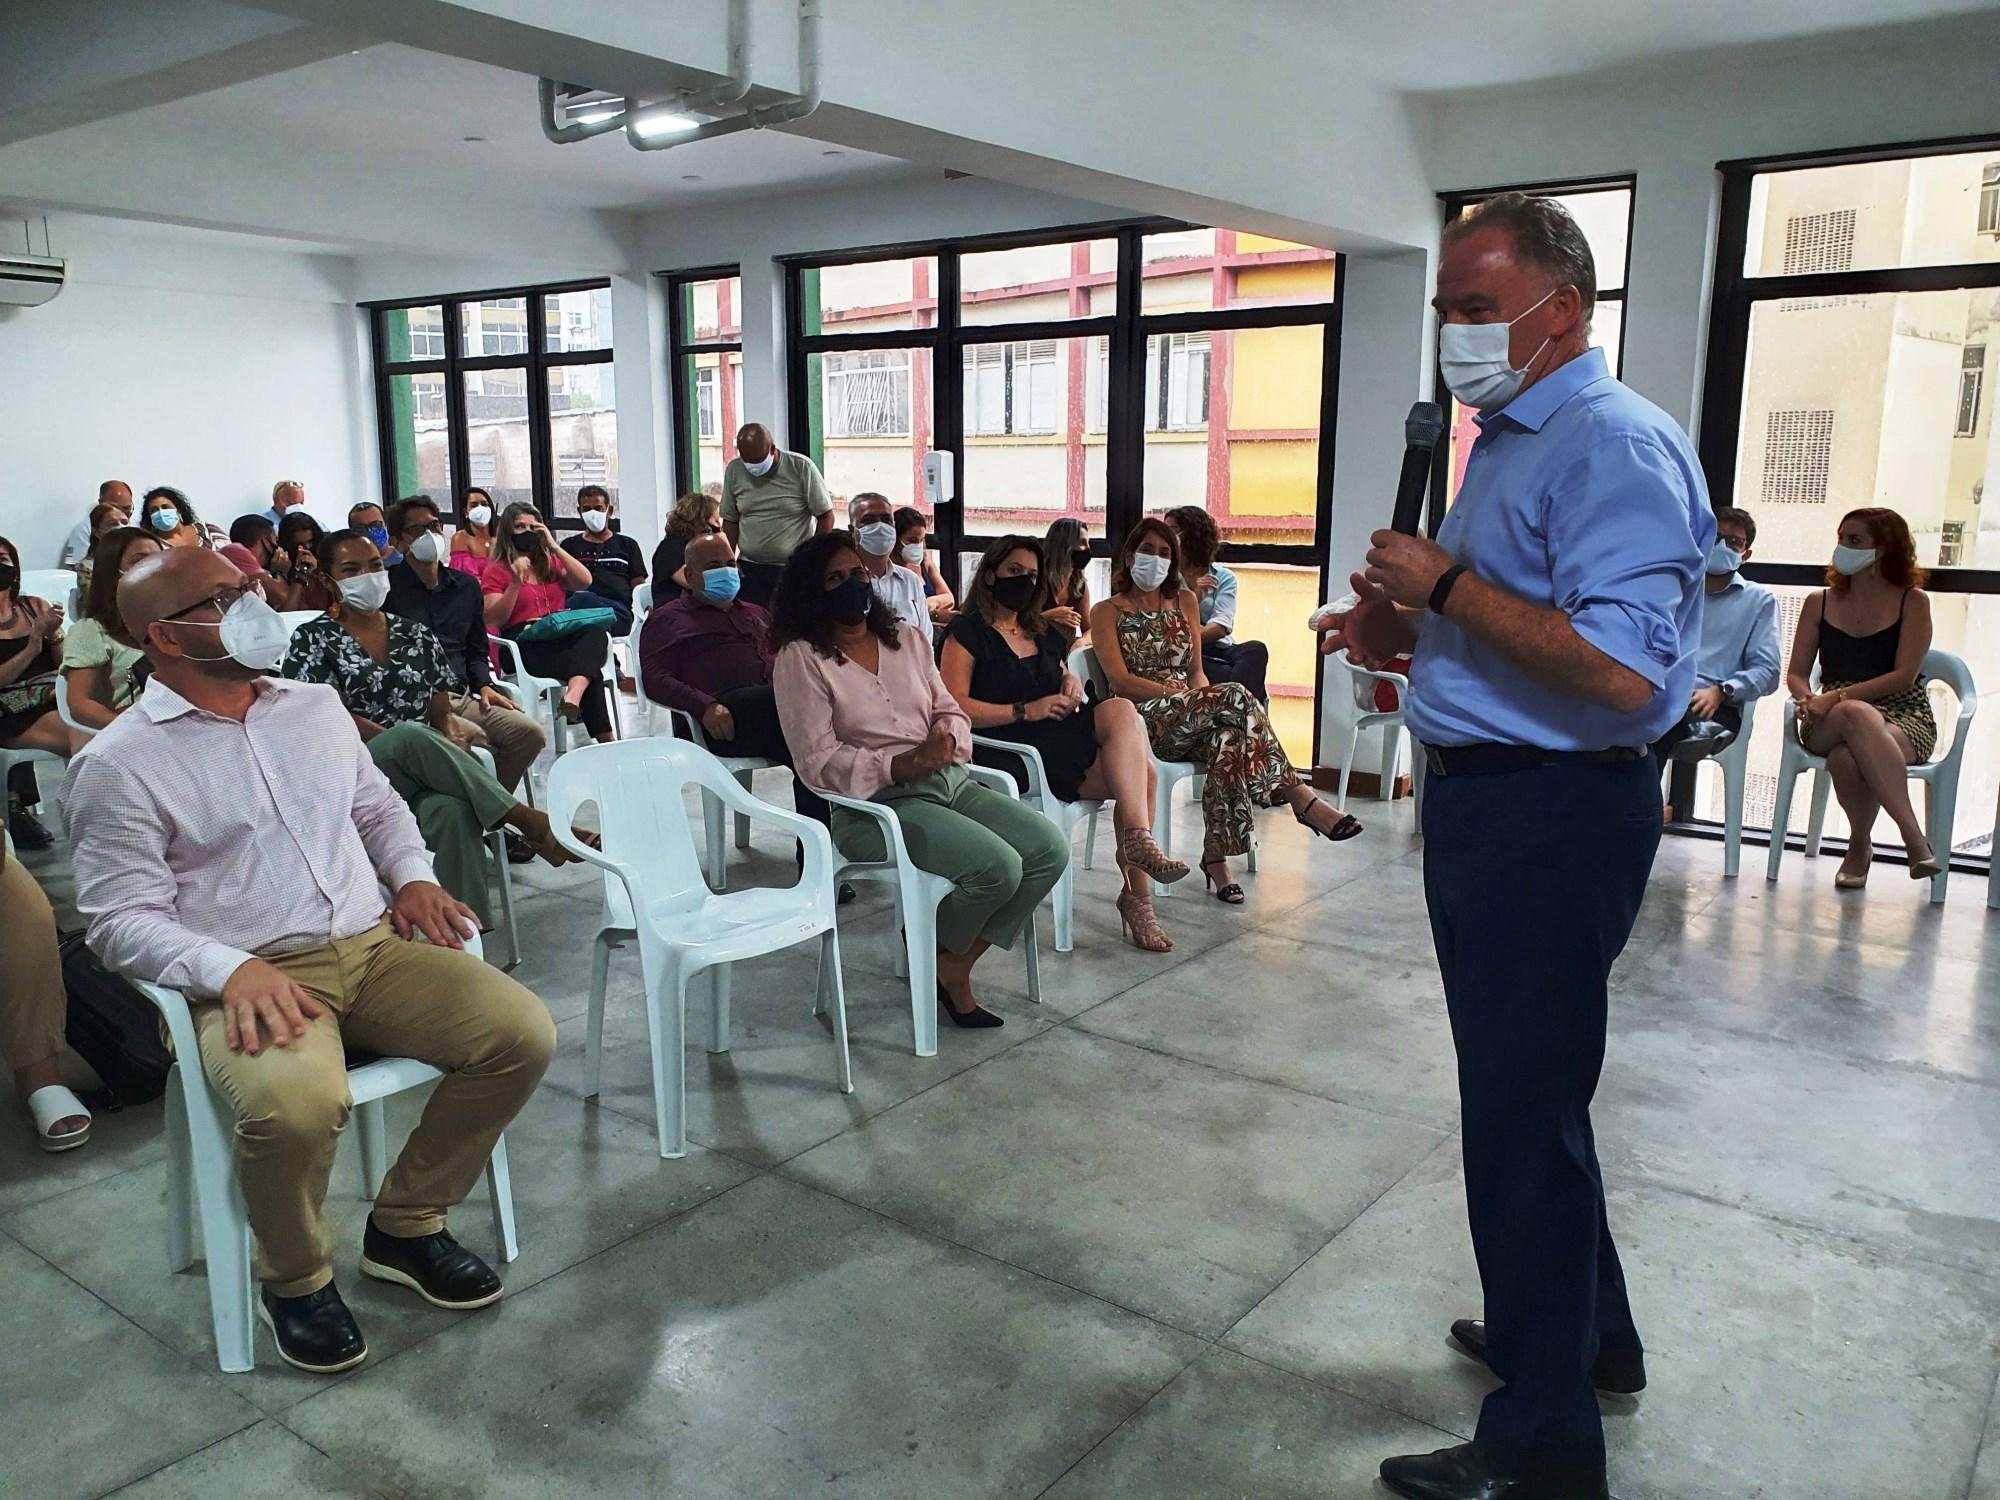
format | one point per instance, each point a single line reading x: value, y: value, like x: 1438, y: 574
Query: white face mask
x: 595, y: 521
x: 1147, y: 570
x: 1723, y: 558
x: 253, y: 634
x: 913, y: 552
x: 428, y: 548
x: 479, y: 515
x: 762, y: 466
x: 1472, y: 358
x: 365, y: 591
x: 1851, y: 560
x: 877, y: 538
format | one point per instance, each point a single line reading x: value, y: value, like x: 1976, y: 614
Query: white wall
x: 174, y: 358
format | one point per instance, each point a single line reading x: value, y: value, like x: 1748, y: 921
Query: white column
x: 639, y: 371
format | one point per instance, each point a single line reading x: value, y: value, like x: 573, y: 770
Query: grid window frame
x: 723, y: 390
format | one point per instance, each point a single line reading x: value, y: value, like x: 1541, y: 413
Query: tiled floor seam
x: 77, y: 1187
x: 1119, y: 1426
x: 1985, y: 1431
x: 160, y: 1468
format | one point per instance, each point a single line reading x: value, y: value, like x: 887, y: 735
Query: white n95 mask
x: 877, y: 538
x: 1472, y: 358
x: 1147, y: 570
x: 365, y: 591
x: 762, y: 466
x: 428, y: 548
x: 253, y: 634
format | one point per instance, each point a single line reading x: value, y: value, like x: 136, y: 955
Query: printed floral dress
x: 395, y: 691
x: 1221, y: 728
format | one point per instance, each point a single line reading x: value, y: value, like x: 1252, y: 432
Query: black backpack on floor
x: 114, y: 1028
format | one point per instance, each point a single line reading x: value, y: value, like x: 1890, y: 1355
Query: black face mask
x: 848, y: 601
x: 10, y: 577
x: 1015, y: 592
x: 529, y: 542
x: 1079, y: 558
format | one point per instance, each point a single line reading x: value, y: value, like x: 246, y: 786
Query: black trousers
x: 755, y: 710
x: 1238, y: 661
x: 1664, y: 748
x: 579, y: 655
x: 759, y: 580
x: 1534, y: 880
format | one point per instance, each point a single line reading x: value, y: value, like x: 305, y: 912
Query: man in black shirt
x: 616, y: 564
x: 423, y: 589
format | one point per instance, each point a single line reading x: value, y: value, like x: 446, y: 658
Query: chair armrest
x: 177, y: 1013
x: 999, y: 781
x: 1400, y: 679
x: 510, y: 656
x: 892, y: 829
x: 1038, y: 780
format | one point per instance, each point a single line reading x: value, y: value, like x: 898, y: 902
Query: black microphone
x: 1421, y: 430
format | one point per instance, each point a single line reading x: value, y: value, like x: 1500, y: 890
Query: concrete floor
x: 1192, y: 1227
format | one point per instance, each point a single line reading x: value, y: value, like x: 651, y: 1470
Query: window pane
x: 712, y: 311
x: 583, y: 432
x: 418, y: 431
x: 1039, y: 283
x: 871, y: 296
x: 413, y: 333
x: 1604, y: 215
x: 869, y: 419
x: 1271, y: 599
x: 577, y: 320
x: 1191, y: 269
x: 715, y: 410
x: 498, y: 325
x: 1919, y: 211
x: 1232, y: 425
x: 1034, y: 434
x: 496, y: 434
x: 1869, y: 400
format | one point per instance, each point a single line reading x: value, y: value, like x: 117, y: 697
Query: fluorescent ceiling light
x: 596, y: 108
x: 665, y: 123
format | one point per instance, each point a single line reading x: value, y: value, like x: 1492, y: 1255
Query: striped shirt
x: 201, y: 841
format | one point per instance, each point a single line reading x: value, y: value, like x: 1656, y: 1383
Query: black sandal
x: 1230, y: 894
x: 1345, y: 829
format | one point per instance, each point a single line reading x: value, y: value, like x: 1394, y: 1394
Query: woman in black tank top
x: 1868, y: 631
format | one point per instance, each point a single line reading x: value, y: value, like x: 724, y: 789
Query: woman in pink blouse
x: 528, y: 577
x: 867, y: 716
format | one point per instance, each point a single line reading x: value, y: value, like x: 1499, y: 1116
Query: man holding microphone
x: 1554, y: 625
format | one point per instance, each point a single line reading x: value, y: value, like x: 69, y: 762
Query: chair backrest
x: 294, y: 618
x: 52, y: 584
x: 638, y: 787
x: 1083, y: 663
x: 642, y: 601
x: 1942, y: 666
x: 62, y: 706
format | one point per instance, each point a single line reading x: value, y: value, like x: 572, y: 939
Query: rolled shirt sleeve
x: 1219, y: 608
x: 1762, y: 664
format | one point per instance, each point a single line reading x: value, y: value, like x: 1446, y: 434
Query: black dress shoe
x: 518, y: 852
x: 316, y: 1332
x: 1469, y: 1472
x: 977, y: 1018
x: 1612, y: 1375
x: 434, y: 1266
x: 27, y: 831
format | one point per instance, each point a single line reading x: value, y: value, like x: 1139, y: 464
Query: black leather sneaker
x: 1612, y: 1375
x: 434, y: 1266
x: 315, y: 1333
x: 1469, y: 1472
x: 26, y: 830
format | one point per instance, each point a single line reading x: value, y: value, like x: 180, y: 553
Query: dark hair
x: 14, y: 557
x: 248, y: 531
x: 333, y: 541
x: 174, y: 498
x: 1121, y: 569
x: 398, y: 520
x: 1742, y: 518
x: 593, y: 489
x: 1200, y: 540
x: 359, y: 506
x: 798, y: 608
x: 1896, y: 549
x: 908, y: 516
x: 100, y: 601
x: 979, y: 595
x: 1545, y: 236
x: 504, y: 550
x: 1064, y: 536
x: 465, y: 503
x: 862, y: 497
x: 297, y: 521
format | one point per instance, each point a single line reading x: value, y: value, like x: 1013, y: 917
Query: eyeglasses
x: 222, y: 599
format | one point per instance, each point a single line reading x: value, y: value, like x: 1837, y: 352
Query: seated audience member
x: 1223, y: 659
x: 98, y: 662
x: 1738, y: 661
x: 32, y: 1008
x: 772, y: 502
x: 867, y: 716
x: 1004, y: 663
x: 873, y: 521
x: 472, y: 543
x: 367, y: 518
x: 1067, y: 549
x: 694, y: 515
x: 529, y: 578
x: 709, y: 654
x: 911, y: 532
x: 245, y: 562
x: 104, y: 519
x: 257, y: 897
x: 1144, y: 636
x: 113, y: 494
x: 306, y: 584
x: 615, y: 563
x: 31, y: 642
x: 1869, y: 629
x: 170, y: 516
x: 257, y: 534
x: 449, y: 603
x: 287, y: 495
x: 391, y: 675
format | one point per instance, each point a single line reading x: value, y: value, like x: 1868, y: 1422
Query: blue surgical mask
x: 1851, y: 560
x: 720, y: 584
x: 1723, y: 558
x: 166, y: 518
x: 379, y: 535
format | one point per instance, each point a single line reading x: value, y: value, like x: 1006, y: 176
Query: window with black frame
x: 1097, y: 373
x: 511, y: 391
x: 705, y: 332
x: 1851, y: 363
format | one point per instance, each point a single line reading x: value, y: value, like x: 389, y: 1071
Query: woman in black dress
x: 1005, y: 663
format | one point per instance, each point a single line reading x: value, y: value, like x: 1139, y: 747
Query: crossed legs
x: 1869, y: 760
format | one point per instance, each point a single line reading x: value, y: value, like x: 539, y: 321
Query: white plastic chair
x: 714, y: 817
x: 1391, y: 724
x: 1065, y: 815
x: 203, y: 1193
x: 1167, y: 774
x: 917, y: 893
x: 1734, y: 764
x: 1993, y: 866
x: 642, y: 606
x: 654, y: 892
x: 496, y: 841
x: 57, y: 585
x: 1940, y: 776
x: 62, y: 707
x: 294, y: 618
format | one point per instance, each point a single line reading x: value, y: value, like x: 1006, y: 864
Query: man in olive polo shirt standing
x: 771, y: 502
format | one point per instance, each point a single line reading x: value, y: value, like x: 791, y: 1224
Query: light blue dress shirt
x: 1219, y: 603
x: 1582, y: 495
x: 1739, y: 640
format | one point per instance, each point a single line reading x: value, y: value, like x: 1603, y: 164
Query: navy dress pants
x: 1533, y: 878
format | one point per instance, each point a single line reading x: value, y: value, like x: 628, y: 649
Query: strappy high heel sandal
x: 1137, y: 922
x: 1344, y: 828
x: 1136, y: 846
x: 1229, y: 893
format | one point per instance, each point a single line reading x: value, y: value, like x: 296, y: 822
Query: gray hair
x: 1544, y: 236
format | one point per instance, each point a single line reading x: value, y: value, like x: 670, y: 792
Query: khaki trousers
x: 515, y: 738
x: 490, y: 1036
x: 31, y: 986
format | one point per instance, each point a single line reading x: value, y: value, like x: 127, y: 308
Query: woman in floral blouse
x: 391, y: 674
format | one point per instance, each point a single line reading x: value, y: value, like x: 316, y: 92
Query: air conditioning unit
x: 29, y: 280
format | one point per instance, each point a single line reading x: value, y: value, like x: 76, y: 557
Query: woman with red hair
x: 1871, y: 718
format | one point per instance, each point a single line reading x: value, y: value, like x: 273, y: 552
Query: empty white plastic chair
x: 714, y: 818
x: 655, y: 894
x: 1939, y: 776
x: 642, y: 606
x: 1065, y: 815
x: 203, y: 1194
x: 1390, y: 721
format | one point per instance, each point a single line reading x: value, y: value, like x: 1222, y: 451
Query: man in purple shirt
x: 708, y: 653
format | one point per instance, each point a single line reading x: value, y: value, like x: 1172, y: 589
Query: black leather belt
x: 1492, y: 760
